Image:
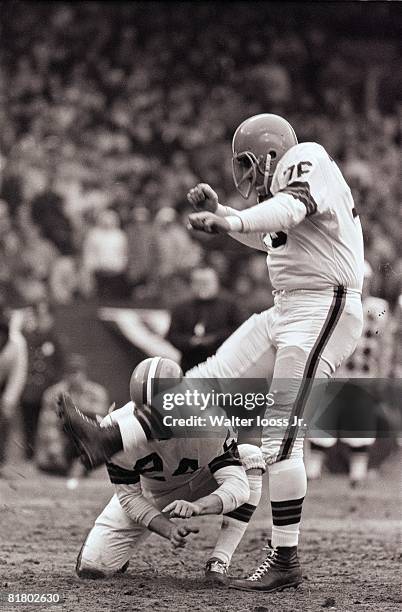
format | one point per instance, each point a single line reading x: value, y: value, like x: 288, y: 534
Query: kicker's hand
x: 209, y: 223
x: 203, y: 197
x: 178, y: 534
x: 180, y: 508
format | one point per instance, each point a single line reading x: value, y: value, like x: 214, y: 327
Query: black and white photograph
x: 200, y: 306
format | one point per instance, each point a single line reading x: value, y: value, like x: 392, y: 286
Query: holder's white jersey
x: 166, y: 464
x: 326, y: 248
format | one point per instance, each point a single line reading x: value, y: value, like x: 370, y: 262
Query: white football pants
x: 305, y: 335
x: 111, y: 541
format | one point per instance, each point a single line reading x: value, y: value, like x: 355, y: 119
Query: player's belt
x: 322, y: 290
x: 334, y: 313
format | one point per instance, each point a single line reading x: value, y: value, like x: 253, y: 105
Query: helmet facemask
x: 250, y: 172
x: 258, y: 145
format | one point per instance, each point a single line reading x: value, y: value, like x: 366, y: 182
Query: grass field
x: 350, y: 550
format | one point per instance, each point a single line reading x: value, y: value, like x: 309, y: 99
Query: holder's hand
x: 180, y: 508
x: 178, y: 534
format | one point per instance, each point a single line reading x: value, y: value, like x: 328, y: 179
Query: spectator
x: 54, y: 450
x: 13, y: 373
x: 140, y: 244
x: 10, y: 247
x: 28, y: 284
x: 75, y: 136
x: 200, y: 325
x: 175, y: 254
x: 45, y: 364
x: 38, y: 252
x: 105, y: 253
x: 47, y: 212
x: 175, y: 251
x: 66, y: 282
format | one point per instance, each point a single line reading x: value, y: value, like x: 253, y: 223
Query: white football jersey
x: 326, y: 248
x: 168, y: 464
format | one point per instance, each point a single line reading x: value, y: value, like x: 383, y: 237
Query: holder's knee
x: 86, y: 570
x: 89, y: 569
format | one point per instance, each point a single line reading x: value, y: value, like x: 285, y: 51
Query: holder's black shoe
x: 280, y: 570
x: 94, y: 443
x: 124, y: 568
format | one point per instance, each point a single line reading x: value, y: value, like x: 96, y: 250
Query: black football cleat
x: 280, y: 570
x: 94, y: 443
x: 216, y: 572
x: 124, y: 568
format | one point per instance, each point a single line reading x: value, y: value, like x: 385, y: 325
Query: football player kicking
x: 159, y: 479
x: 306, y: 221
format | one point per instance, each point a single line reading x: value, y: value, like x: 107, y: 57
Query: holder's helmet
x: 148, y: 379
x: 258, y: 145
x: 151, y: 377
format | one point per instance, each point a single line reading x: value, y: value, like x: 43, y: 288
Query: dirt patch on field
x: 349, y: 551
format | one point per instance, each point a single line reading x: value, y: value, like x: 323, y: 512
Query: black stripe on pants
x: 334, y: 313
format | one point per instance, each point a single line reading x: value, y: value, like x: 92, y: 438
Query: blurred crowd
x: 109, y: 113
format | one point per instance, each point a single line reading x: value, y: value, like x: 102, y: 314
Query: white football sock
x: 235, y: 523
x: 287, y: 489
x: 358, y: 465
